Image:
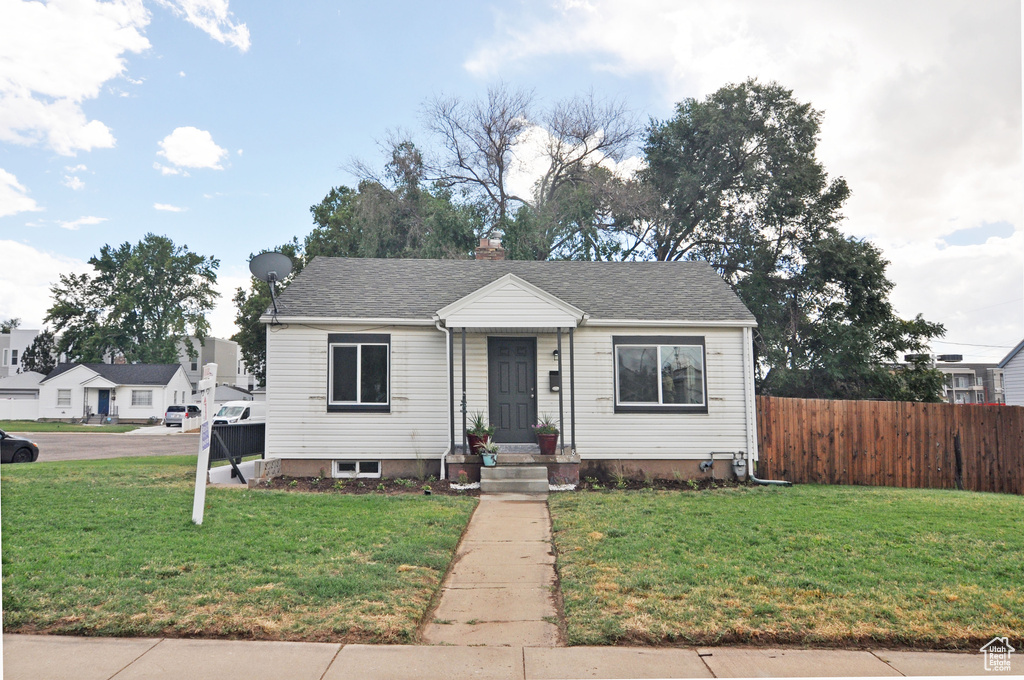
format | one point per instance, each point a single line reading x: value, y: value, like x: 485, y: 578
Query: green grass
x: 108, y: 548
x: 36, y: 426
x: 810, y: 564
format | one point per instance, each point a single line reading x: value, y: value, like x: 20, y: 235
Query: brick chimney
x: 490, y: 249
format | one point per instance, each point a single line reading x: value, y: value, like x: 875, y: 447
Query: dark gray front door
x: 512, y: 387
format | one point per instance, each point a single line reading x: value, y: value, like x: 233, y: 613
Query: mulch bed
x: 385, y: 487
x: 604, y: 482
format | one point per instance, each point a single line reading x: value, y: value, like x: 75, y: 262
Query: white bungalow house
x: 129, y: 392
x: 375, y: 365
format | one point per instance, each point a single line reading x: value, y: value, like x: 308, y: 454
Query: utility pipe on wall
x: 451, y: 379
x: 751, y: 408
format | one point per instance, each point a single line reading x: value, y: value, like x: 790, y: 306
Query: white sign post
x: 206, y: 387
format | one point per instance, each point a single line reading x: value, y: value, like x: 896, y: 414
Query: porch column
x: 451, y: 391
x: 561, y: 391
x: 465, y: 443
x: 572, y: 394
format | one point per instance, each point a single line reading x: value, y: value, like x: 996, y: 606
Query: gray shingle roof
x: 332, y: 287
x: 126, y: 374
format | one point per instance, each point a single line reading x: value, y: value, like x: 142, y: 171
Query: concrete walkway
x: 499, y: 590
x: 38, y: 657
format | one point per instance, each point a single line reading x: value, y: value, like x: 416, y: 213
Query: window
x: 356, y: 468
x: 63, y: 397
x: 142, y: 397
x: 358, y: 374
x: 659, y: 374
x: 7, y: 357
x: 195, y: 364
x: 14, y: 357
x: 961, y: 381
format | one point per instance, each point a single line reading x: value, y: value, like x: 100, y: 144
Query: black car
x: 17, y: 450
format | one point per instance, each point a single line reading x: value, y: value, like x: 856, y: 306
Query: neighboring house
x: 12, y: 349
x: 369, y: 361
x: 972, y: 383
x: 19, y: 396
x: 1013, y: 375
x: 130, y: 392
x: 224, y: 393
x: 226, y: 354
x: 21, y: 385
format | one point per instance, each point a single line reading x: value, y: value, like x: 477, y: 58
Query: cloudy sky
x: 220, y: 125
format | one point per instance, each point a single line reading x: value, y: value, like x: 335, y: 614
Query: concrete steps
x: 521, y: 479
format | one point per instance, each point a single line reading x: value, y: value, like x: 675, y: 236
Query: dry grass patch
x: 811, y: 564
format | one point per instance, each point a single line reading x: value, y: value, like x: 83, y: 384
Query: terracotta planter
x: 476, y: 443
x: 548, y: 443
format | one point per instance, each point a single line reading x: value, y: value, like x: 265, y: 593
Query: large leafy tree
x: 734, y: 180
x: 141, y: 301
x: 41, y: 355
x: 392, y: 213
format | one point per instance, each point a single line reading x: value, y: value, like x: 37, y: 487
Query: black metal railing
x: 234, y: 441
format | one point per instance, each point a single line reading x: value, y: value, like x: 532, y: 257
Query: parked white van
x: 241, y: 412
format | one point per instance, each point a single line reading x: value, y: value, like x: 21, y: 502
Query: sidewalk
x: 32, y: 657
x: 499, y: 591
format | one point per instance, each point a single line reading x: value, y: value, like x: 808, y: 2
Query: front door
x: 104, y: 405
x: 512, y: 388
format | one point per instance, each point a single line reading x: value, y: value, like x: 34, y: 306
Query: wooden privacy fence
x: 892, y: 443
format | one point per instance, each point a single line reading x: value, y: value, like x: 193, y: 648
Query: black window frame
x: 657, y: 341
x: 356, y: 339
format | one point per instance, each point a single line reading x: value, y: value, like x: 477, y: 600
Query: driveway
x: 54, y: 446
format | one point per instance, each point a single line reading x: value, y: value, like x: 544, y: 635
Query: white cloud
x: 31, y: 280
x: 222, y: 318
x: 189, y: 147
x: 73, y: 182
x: 975, y: 290
x: 213, y: 17
x: 74, y: 225
x: 75, y: 168
x: 14, y: 197
x: 921, y: 102
x: 53, y: 57
x: 166, y: 207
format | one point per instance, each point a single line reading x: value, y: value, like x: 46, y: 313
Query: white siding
x: 1013, y: 380
x: 70, y: 380
x: 510, y: 305
x: 299, y: 426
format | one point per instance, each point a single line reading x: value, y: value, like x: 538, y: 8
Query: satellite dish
x: 271, y: 267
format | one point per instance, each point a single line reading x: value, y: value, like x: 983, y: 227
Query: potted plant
x: 479, y: 432
x: 489, y: 451
x: 547, y: 435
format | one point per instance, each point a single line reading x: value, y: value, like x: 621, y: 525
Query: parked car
x: 178, y: 412
x: 239, y: 411
x: 17, y: 450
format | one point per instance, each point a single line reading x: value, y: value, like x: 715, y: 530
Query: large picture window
x: 359, y: 372
x: 660, y: 373
x: 142, y: 397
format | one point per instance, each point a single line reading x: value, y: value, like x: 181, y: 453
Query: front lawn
x: 108, y: 548
x: 833, y: 565
x: 37, y: 426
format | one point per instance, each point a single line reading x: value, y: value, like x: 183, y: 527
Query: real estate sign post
x: 206, y: 386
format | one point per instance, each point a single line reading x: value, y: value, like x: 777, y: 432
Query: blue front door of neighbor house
x: 104, y: 405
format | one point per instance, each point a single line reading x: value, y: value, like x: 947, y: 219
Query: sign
x: 206, y: 387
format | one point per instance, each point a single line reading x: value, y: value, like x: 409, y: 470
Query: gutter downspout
x: 447, y: 358
x: 748, y: 392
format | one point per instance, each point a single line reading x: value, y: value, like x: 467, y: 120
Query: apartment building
x: 231, y: 369
x: 973, y: 383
